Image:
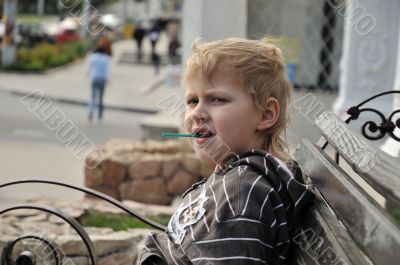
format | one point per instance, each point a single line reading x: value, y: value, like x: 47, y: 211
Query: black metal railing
x: 28, y: 258
x: 386, y: 126
x: 370, y: 129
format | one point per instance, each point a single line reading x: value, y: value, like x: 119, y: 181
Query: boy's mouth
x: 202, y: 135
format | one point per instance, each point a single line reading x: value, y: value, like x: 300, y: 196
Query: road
x: 30, y: 150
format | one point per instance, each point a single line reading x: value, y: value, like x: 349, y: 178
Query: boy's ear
x: 269, y: 115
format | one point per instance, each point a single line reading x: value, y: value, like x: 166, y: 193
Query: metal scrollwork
x: 29, y: 258
x: 370, y: 129
x: 71, y: 221
x: 94, y: 193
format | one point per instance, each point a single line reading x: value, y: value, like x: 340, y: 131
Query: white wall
x: 212, y: 20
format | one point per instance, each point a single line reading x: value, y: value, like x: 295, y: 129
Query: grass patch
x: 117, y: 222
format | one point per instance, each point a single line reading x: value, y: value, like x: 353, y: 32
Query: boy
x: 237, y: 94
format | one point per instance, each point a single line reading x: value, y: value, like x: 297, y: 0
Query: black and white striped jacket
x: 243, y: 214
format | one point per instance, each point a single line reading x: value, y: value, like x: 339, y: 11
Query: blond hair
x: 261, y: 68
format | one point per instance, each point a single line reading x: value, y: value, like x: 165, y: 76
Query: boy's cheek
x: 187, y: 122
x: 186, y: 126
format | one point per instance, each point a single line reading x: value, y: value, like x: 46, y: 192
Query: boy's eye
x: 218, y: 100
x: 191, y: 101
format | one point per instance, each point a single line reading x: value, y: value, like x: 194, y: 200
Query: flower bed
x: 45, y: 56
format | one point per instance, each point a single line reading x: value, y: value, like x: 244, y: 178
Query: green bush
x: 59, y: 60
x: 45, y: 55
x: 36, y: 65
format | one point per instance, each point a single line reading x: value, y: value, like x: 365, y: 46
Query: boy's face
x: 224, y: 111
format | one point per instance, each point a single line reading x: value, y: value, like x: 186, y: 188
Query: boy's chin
x: 205, y: 159
x: 209, y: 161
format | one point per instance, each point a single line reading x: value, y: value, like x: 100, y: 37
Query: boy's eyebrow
x: 210, y: 90
x: 188, y: 95
x: 221, y: 92
x: 206, y: 91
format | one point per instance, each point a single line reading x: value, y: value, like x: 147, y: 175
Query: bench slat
x: 367, y: 223
x: 380, y: 170
x: 324, y: 240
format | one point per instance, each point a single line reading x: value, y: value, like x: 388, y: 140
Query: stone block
x: 143, y: 169
x: 105, y: 244
x: 181, y: 182
x: 192, y: 164
x: 146, y: 191
x: 170, y: 166
x: 92, y: 160
x: 205, y: 172
x: 119, y: 258
x: 113, y: 173
x: 113, y: 192
x: 150, y: 209
x: 77, y: 260
x: 93, y: 177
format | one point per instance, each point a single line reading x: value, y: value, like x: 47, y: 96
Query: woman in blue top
x: 99, y: 69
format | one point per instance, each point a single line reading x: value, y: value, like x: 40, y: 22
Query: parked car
x: 113, y: 26
x: 31, y: 34
x: 68, y: 35
x: 69, y: 30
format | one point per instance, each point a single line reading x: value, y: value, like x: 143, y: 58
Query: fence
x: 313, y: 43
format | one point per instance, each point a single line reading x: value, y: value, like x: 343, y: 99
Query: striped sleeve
x: 236, y: 241
x: 152, y: 252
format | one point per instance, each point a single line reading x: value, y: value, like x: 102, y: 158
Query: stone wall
x: 149, y: 172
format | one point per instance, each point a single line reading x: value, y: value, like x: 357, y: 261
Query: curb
x: 84, y: 103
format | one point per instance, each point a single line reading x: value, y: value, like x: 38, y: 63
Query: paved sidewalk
x: 126, y: 90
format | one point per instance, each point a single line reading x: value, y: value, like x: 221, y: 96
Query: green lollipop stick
x: 179, y: 135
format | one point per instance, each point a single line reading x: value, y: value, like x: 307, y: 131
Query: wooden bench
x: 347, y: 224
x: 354, y: 219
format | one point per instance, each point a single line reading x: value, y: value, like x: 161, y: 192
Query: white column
x: 124, y: 10
x: 391, y: 146
x: 155, y: 8
x: 209, y: 20
x: 40, y: 7
x: 369, y: 52
x: 212, y: 20
x: 60, y: 6
x: 9, y: 49
x: 86, y: 14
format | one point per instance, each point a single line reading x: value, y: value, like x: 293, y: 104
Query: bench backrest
x: 347, y: 225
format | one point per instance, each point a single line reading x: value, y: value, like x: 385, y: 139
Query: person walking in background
x: 173, y: 47
x: 106, y: 43
x: 156, y: 62
x: 99, y: 70
x: 154, y: 36
x: 138, y: 35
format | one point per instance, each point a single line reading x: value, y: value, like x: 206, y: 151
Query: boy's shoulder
x: 251, y: 179
x: 259, y: 162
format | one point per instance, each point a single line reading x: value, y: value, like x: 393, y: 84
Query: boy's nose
x: 199, y: 114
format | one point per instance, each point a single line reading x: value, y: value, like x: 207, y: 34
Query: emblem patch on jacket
x: 186, y: 215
